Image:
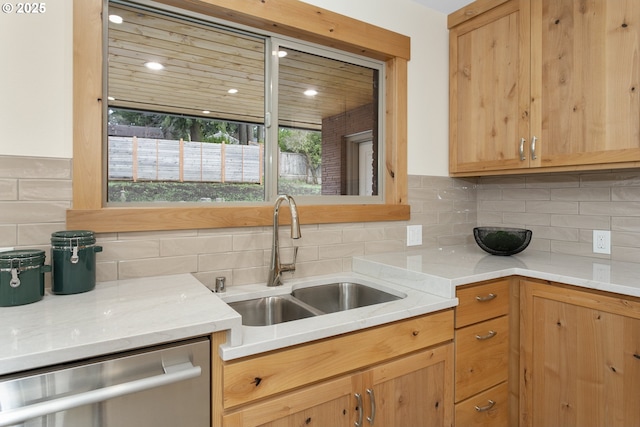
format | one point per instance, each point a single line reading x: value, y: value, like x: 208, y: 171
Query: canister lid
x: 75, y: 237
x: 21, y: 258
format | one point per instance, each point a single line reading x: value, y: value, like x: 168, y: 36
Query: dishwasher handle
x: 174, y: 374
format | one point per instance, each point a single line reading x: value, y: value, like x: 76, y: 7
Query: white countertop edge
x: 307, y: 330
x: 100, y: 349
x: 114, y: 317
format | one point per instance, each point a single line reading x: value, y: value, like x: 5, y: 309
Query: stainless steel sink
x: 308, y: 302
x: 271, y: 310
x: 340, y: 296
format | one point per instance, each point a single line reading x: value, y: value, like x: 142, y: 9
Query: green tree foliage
x: 306, y: 142
x: 189, y: 128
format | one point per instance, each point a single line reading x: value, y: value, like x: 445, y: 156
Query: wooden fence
x: 147, y: 159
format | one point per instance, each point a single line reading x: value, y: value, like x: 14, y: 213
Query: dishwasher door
x: 164, y: 386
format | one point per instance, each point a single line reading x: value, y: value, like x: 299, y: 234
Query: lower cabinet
x: 580, y: 357
x: 399, y: 374
x: 410, y: 391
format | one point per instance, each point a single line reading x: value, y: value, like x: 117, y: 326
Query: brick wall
x: 334, y: 131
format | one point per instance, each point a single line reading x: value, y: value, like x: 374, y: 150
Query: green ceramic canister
x: 22, y: 277
x: 74, y: 261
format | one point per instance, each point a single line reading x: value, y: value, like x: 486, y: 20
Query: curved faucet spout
x: 275, y: 266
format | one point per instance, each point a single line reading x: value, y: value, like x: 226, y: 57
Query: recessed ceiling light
x: 311, y: 92
x: 111, y: 98
x: 232, y: 91
x: 116, y: 19
x: 154, y: 65
x: 205, y: 111
x: 282, y: 53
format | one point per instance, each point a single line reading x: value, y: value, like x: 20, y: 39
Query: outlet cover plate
x: 414, y: 235
x: 601, y: 241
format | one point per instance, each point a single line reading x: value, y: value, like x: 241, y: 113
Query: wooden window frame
x: 292, y: 18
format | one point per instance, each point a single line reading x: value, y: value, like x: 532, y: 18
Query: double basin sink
x: 310, y: 301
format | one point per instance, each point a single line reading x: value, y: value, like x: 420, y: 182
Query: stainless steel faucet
x: 275, y: 267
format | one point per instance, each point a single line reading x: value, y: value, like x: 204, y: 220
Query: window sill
x: 109, y: 220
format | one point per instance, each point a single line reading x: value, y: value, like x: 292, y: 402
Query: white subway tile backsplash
x: 581, y: 194
x: 597, y: 222
x: 552, y: 207
x: 8, y: 189
x: 561, y: 209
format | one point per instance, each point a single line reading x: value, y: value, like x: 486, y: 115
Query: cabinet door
x: 489, y: 91
x: 580, y: 358
x: 585, y: 81
x: 328, y: 404
x: 416, y: 390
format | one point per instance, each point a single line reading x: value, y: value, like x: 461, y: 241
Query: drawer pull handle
x: 521, y: 150
x: 486, y: 407
x: 487, y: 298
x: 491, y: 334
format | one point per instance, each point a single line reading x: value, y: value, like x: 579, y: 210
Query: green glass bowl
x: 501, y: 240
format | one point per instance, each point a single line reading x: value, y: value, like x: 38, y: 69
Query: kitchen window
x: 255, y: 126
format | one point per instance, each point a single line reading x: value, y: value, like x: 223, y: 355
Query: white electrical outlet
x: 414, y: 235
x: 601, y: 241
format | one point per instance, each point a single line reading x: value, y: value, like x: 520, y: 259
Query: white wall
x: 428, y: 121
x: 36, y: 81
x: 36, y: 78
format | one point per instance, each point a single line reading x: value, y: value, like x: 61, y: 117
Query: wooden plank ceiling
x: 202, y: 62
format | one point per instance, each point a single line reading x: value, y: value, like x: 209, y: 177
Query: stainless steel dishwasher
x: 160, y: 386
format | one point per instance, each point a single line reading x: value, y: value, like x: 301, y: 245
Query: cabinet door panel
x: 327, y: 404
x: 589, y: 81
x: 332, y: 413
x: 580, y: 365
x: 489, y: 92
x: 413, y: 391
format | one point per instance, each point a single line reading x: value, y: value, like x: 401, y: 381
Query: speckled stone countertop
x: 129, y: 314
x: 114, y: 317
x: 441, y: 270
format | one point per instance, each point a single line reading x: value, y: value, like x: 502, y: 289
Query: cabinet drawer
x: 482, y: 302
x: 482, y: 356
x: 494, y: 414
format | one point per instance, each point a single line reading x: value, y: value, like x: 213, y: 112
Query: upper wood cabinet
x: 544, y: 85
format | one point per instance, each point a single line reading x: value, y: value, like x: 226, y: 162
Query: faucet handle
x: 292, y: 265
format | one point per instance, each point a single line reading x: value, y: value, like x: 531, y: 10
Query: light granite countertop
x: 441, y: 270
x: 129, y: 314
x: 114, y: 317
